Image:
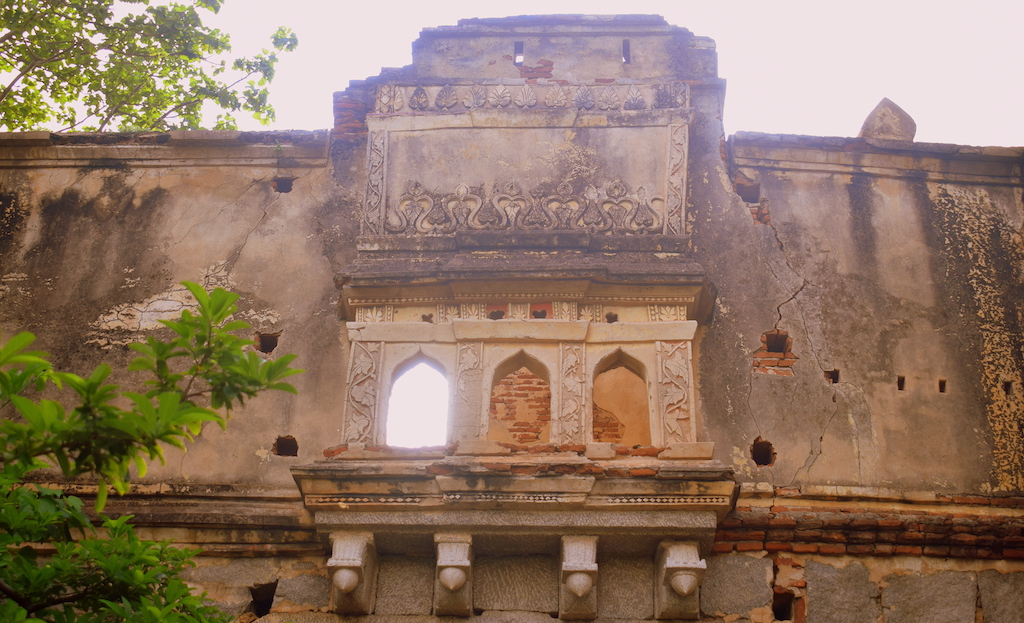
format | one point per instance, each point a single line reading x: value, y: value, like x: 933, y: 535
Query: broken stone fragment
x: 890, y: 122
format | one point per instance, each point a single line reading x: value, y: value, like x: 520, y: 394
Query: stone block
x: 528, y: 583
x: 840, y: 595
x: 1002, y: 596
x: 736, y: 585
x: 404, y: 585
x: 944, y: 597
x: 626, y: 589
x: 302, y: 592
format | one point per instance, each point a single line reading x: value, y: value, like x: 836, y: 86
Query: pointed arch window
x: 418, y: 407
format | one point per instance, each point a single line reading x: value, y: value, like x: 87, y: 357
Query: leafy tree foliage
x: 124, y: 64
x: 54, y: 565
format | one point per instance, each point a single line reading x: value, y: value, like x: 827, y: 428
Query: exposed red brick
x: 336, y: 450
x: 805, y: 548
x: 884, y: 549
x: 782, y: 522
x: 646, y: 451
x: 908, y: 550
x: 832, y: 549
x: 441, y: 470
x: 642, y: 472
x: 525, y: 470
x: 749, y: 546
x: 497, y: 467
x: 858, y: 550
x: 721, y: 548
x: 776, y: 546
x: 936, y: 550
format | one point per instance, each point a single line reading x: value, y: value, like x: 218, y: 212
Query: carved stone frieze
x: 674, y: 383
x: 571, y: 411
x: 447, y: 313
x: 393, y: 98
x: 361, y: 405
x: 473, y: 311
x: 611, y: 210
x: 518, y: 311
x: 564, y: 310
x: 593, y: 312
x: 663, y: 313
x: 377, y: 313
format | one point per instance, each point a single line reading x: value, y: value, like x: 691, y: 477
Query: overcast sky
x: 793, y: 67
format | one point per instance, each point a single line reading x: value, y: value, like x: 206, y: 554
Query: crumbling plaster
x: 96, y: 246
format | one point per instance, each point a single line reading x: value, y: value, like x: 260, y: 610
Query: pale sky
x: 793, y: 67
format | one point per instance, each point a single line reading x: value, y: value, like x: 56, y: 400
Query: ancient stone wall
x: 851, y: 323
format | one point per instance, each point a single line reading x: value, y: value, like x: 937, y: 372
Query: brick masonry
x: 770, y: 358
x: 522, y: 402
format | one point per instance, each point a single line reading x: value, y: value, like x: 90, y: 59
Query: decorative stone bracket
x: 453, y: 583
x: 679, y: 571
x: 353, y: 571
x: 577, y: 597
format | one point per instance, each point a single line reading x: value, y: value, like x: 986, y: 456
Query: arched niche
x: 621, y: 401
x: 417, y: 413
x: 520, y: 401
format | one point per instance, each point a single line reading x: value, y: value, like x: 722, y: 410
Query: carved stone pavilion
x: 756, y: 378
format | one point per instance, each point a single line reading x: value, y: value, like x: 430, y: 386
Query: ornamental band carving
x: 611, y: 210
x: 392, y: 98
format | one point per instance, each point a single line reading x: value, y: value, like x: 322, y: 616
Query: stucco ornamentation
x: 526, y: 97
x: 390, y: 99
x: 674, y: 389
x: 584, y: 98
x: 470, y: 356
x: 446, y: 98
x: 500, y: 97
x: 571, y: 358
x: 634, y: 100
x: 419, y: 99
x: 363, y: 372
x: 678, y: 142
x: 666, y: 313
x: 608, y: 99
x: 475, y: 97
x: 375, y: 182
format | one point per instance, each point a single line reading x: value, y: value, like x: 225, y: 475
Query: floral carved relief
x: 614, y: 209
x: 674, y: 382
x: 469, y: 357
x: 662, y: 313
x: 375, y: 182
x: 571, y: 410
x: 363, y: 373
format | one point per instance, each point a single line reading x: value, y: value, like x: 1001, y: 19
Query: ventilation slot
x: 832, y: 376
x: 942, y: 386
x: 517, y: 54
x: 901, y: 383
x: 286, y: 446
x: 1008, y: 388
x: 625, y: 52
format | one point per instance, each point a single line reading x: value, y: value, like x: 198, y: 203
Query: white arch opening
x: 418, y: 408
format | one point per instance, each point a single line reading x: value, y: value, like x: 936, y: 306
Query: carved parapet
x: 678, y: 573
x: 578, y: 592
x: 453, y: 583
x: 353, y: 571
